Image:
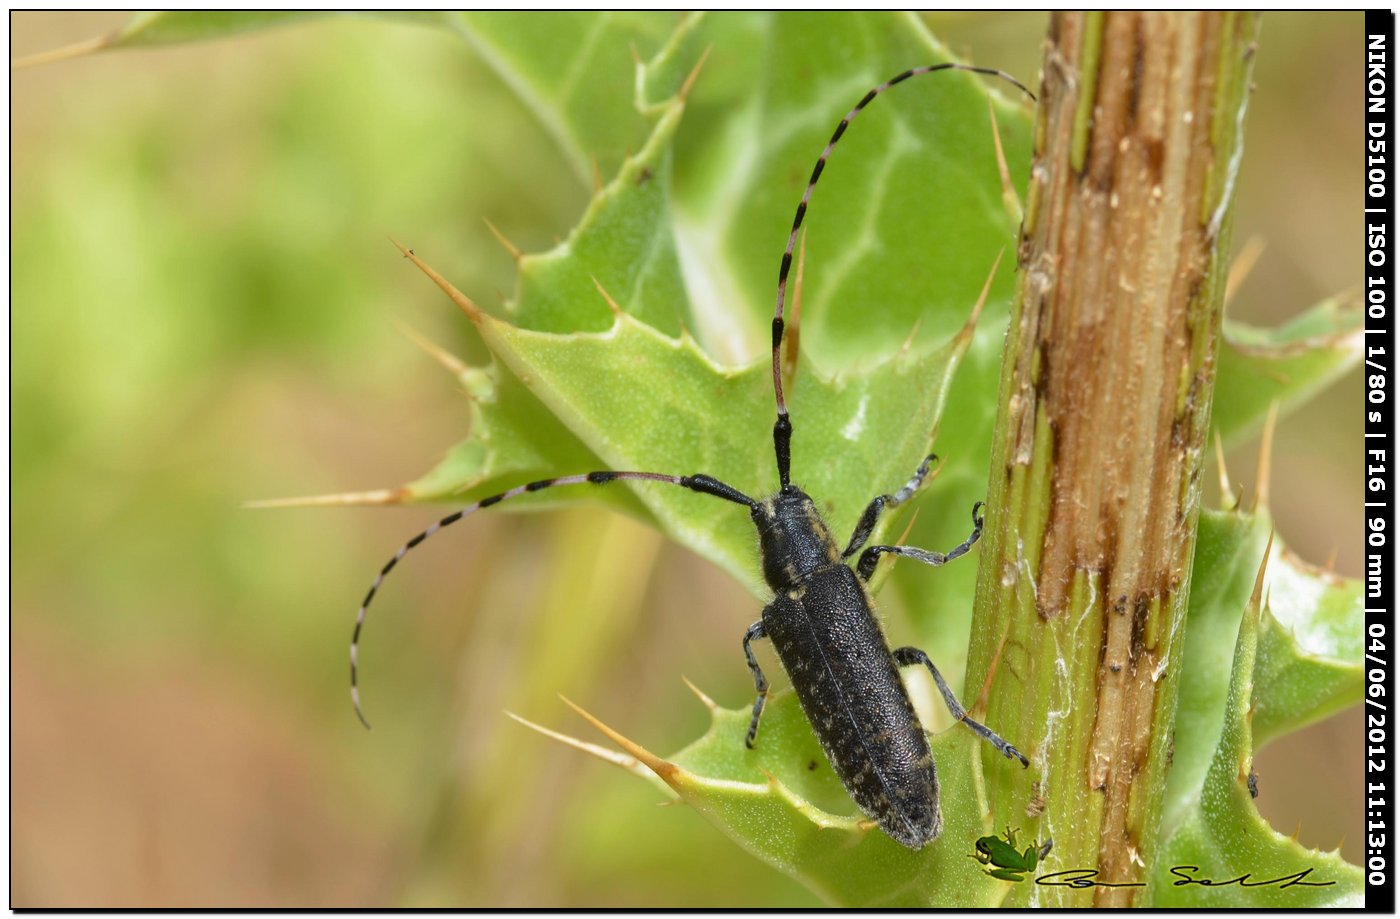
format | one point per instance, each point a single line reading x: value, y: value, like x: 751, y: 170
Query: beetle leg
x: 871, y: 514
x: 870, y: 557
x: 907, y: 657
x: 760, y: 683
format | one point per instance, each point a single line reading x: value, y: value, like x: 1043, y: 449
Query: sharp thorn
x: 913, y: 336
x: 463, y: 302
x: 913, y: 518
x: 664, y: 770
x: 1009, y: 199
x: 965, y: 334
x: 1227, y: 495
x: 1242, y: 266
x: 694, y: 74
x: 612, y: 304
x: 347, y: 499
x: 1264, y: 470
x: 66, y: 53
x: 510, y: 247
x: 450, y: 361
x: 612, y: 756
x: 1256, y: 600
x: 699, y: 694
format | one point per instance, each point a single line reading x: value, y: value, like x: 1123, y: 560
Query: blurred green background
x: 203, y: 312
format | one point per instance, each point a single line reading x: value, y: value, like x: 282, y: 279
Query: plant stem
x: 1102, y: 423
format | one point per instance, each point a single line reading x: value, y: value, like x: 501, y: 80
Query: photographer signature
x: 1088, y: 877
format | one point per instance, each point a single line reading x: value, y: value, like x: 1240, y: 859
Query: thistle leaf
x: 678, y: 382
x: 1286, y: 365
x: 1310, y: 656
x: 782, y: 802
x: 1222, y: 838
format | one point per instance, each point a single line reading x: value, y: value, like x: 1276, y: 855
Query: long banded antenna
x: 703, y: 484
x: 782, y: 428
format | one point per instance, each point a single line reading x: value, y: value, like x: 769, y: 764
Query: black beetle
x: 821, y: 619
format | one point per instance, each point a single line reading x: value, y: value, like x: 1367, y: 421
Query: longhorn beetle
x: 821, y: 618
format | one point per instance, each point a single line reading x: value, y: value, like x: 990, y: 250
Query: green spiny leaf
x: 1310, y: 648
x: 668, y: 407
x: 1309, y: 656
x: 1223, y: 837
x: 1228, y: 548
x: 622, y: 246
x: 171, y: 27
x: 510, y: 433
x: 782, y: 802
x: 574, y: 71
x: 1286, y: 365
x: 638, y: 393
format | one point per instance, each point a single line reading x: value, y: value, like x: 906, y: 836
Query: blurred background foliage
x: 203, y: 312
